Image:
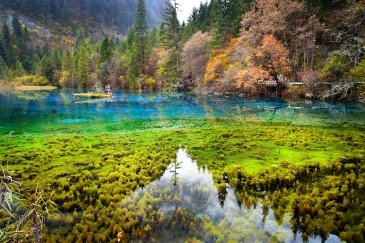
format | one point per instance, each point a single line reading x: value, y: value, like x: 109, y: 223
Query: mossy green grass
x: 219, y: 146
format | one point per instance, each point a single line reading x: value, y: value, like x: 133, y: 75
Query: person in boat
x: 108, y: 89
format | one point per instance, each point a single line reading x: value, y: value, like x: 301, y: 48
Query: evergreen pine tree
x: 5, y: 34
x: 47, y: 69
x: 152, y: 40
x: 17, y: 27
x: 3, y: 69
x: 219, y: 36
x: 161, y: 34
x: 141, y: 31
x: 105, y: 51
x: 172, y: 26
x: 172, y: 41
x: 66, y: 79
x: 83, y: 68
x: 3, y: 50
x: 19, y: 70
x: 132, y: 56
x: 7, y: 47
x: 26, y: 35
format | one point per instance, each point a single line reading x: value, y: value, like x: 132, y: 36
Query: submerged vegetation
x: 316, y: 180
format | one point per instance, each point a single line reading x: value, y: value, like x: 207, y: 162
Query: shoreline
x: 287, y: 94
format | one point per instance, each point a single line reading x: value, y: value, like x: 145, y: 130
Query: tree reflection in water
x: 189, y: 205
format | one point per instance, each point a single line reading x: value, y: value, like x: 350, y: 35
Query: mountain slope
x: 93, y: 13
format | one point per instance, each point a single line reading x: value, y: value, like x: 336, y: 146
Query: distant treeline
x: 231, y: 46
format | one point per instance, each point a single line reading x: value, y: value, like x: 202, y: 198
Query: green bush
x: 358, y: 72
x: 334, y: 68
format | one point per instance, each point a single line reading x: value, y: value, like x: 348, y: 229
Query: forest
x: 225, y: 46
x: 93, y: 13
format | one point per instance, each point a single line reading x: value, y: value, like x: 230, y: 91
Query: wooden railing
x: 273, y: 83
x: 270, y: 83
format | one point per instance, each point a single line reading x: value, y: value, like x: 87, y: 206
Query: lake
x: 37, y: 111
x: 180, y: 167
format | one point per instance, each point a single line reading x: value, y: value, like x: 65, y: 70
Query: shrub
x: 335, y: 67
x: 31, y: 80
x: 151, y: 83
x: 358, y: 72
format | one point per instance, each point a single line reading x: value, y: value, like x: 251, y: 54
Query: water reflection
x: 190, y: 206
x: 46, y: 108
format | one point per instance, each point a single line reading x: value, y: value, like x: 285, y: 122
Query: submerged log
x: 92, y: 95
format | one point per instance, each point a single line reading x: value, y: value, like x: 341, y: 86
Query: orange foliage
x: 272, y: 55
x: 247, y: 79
x: 290, y: 21
x: 271, y: 17
x: 218, y: 63
x: 267, y: 60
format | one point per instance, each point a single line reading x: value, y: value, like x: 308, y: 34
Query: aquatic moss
x: 311, y: 172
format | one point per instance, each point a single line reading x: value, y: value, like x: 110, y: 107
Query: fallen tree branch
x: 343, y: 90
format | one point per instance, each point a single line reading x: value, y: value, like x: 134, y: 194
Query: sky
x: 186, y: 7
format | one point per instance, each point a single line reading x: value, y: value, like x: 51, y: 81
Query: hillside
x: 92, y: 13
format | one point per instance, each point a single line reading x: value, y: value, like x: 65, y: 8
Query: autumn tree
x: 289, y: 21
x: 194, y: 57
x: 266, y: 62
x: 272, y: 56
x: 218, y: 64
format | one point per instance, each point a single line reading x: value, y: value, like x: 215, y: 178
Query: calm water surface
x: 33, y: 111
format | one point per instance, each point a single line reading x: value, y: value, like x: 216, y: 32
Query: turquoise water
x: 57, y: 111
x: 184, y: 202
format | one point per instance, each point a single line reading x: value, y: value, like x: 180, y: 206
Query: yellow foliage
x: 219, y: 62
x: 259, y: 54
x: 64, y: 80
x: 68, y: 42
x: 151, y: 83
x: 31, y: 80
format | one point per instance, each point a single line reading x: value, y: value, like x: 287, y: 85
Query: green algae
x: 286, y: 167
